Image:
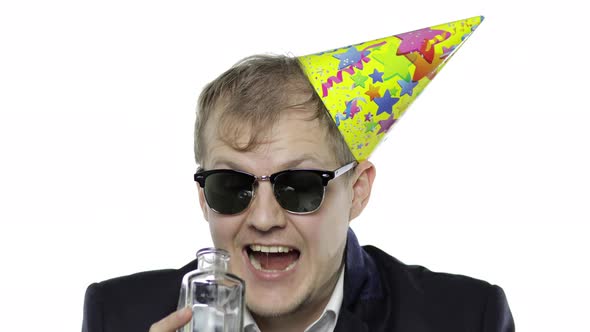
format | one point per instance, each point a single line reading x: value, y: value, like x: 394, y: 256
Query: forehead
x: 295, y: 139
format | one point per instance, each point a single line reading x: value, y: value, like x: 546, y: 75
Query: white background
x: 486, y: 175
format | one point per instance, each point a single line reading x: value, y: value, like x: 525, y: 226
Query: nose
x: 265, y: 213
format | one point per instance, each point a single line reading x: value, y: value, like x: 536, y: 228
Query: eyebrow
x: 291, y: 164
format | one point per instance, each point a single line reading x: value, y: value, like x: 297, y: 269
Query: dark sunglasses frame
x: 201, y: 176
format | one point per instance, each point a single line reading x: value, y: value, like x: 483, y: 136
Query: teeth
x: 255, y: 262
x: 258, y: 267
x: 269, y: 249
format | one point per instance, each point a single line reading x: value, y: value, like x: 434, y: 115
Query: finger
x: 173, y: 321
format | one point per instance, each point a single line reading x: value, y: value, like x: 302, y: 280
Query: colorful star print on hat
x: 367, y: 87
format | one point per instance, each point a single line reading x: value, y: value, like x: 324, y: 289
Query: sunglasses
x: 299, y: 191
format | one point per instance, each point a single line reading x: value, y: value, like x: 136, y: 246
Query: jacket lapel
x: 361, y: 286
x: 349, y: 322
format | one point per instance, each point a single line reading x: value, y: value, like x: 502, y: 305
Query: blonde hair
x: 251, y: 95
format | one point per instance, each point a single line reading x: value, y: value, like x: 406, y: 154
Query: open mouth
x: 272, y: 258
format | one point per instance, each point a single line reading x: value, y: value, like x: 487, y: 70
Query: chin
x: 272, y: 300
x: 277, y: 306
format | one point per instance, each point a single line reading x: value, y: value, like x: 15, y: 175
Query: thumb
x: 173, y: 321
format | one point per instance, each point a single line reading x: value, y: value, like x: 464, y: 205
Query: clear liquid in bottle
x: 215, y: 296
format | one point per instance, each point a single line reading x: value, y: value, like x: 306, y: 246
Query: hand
x: 173, y: 321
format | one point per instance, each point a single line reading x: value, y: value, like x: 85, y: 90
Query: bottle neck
x: 212, y: 259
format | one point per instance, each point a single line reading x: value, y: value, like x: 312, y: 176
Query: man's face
x: 307, y: 274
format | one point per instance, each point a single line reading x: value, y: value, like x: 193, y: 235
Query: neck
x: 303, y: 316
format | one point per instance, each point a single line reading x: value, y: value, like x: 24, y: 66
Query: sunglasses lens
x: 299, y: 191
x: 228, y: 192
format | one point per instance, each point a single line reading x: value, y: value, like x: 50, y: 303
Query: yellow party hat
x: 367, y: 87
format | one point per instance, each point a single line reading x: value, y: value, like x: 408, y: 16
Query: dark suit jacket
x: 380, y: 294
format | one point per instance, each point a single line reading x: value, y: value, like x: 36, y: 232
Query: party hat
x: 367, y: 87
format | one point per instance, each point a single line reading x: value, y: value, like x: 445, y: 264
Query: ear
x: 362, y: 183
x: 203, y: 203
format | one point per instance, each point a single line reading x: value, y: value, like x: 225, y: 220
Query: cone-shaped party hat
x: 367, y: 87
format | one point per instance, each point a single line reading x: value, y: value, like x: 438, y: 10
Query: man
x: 279, y: 183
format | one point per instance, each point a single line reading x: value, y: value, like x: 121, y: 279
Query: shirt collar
x: 330, y: 312
x: 248, y: 320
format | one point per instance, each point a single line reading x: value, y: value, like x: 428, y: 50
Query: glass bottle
x: 215, y: 296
